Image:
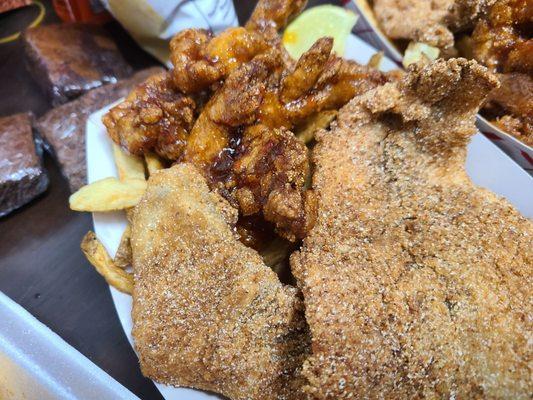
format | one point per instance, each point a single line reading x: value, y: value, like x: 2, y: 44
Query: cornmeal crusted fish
x: 207, y: 312
x: 417, y: 283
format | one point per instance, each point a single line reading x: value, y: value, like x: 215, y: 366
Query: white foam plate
x: 486, y: 164
x: 35, y: 363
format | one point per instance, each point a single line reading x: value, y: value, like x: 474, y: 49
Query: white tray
x: 36, y: 364
x: 367, y: 29
x: 486, y: 164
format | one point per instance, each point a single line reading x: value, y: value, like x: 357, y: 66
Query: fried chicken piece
x: 514, y: 98
x: 201, y: 59
x: 274, y: 13
x: 153, y: 117
x: 307, y: 70
x: 319, y: 81
x: 502, y: 40
x: 207, y: 312
x: 426, y: 20
x: 241, y: 139
x: 236, y: 103
x: 341, y: 81
x: 464, y: 13
x: 270, y: 174
x: 417, y: 283
x: 431, y: 22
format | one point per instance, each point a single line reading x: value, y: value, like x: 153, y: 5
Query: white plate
x: 487, y: 165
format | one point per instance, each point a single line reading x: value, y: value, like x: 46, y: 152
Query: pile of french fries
x: 113, y: 194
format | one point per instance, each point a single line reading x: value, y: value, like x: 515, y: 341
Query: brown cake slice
x: 64, y: 127
x: 67, y: 60
x: 22, y: 177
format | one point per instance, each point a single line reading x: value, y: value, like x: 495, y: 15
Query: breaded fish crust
x: 428, y: 21
x: 417, y: 283
x: 207, y: 312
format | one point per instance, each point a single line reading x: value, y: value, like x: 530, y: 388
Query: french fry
x: 123, y: 256
x: 375, y: 60
x: 108, y: 194
x: 97, y: 255
x: 419, y: 52
x: 128, y: 166
x: 153, y: 163
x: 322, y: 120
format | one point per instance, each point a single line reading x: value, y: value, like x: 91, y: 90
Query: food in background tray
x: 416, y: 282
x: 498, y: 34
x: 22, y: 176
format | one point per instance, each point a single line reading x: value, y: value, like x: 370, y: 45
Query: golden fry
x: 375, y: 60
x: 153, y: 163
x: 128, y: 166
x: 97, y: 255
x: 108, y: 194
x: 123, y: 256
x: 322, y: 120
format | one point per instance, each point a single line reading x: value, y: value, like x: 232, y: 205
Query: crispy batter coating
x: 464, y: 13
x: 235, y: 104
x: 341, y: 81
x: 514, y: 99
x: 207, y: 312
x: 154, y: 117
x: 502, y: 40
x: 319, y: 81
x: 200, y: 60
x: 307, y: 70
x: 432, y: 22
x: 241, y: 140
x: 417, y: 283
x: 270, y: 174
x: 274, y: 13
x: 425, y: 20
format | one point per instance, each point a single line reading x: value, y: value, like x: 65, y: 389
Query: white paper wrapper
x: 152, y: 23
x: 368, y: 30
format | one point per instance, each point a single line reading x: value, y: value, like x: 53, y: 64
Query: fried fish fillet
x: 207, y: 312
x: 426, y: 20
x: 432, y: 22
x: 417, y: 283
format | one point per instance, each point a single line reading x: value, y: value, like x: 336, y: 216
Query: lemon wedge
x: 419, y: 51
x: 317, y: 22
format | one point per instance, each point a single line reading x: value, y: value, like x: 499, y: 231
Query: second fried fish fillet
x: 207, y: 312
x: 417, y: 283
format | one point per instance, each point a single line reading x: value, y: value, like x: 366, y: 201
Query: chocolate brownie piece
x: 22, y: 176
x: 67, y: 60
x: 6, y: 5
x: 63, y: 128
